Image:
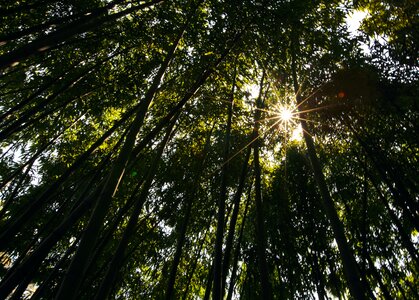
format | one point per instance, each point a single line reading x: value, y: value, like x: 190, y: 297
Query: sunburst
x: 285, y: 114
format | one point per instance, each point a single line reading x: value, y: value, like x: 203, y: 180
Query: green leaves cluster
x: 119, y: 108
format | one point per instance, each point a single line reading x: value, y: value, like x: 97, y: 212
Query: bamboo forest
x: 209, y: 149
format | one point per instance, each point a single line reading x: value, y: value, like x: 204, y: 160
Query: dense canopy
x: 209, y: 149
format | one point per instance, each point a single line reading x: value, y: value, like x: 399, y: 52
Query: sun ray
x: 319, y: 108
x: 307, y: 132
x: 287, y: 117
x: 300, y: 86
x: 247, y: 145
x: 308, y: 120
x: 268, y: 118
x: 266, y: 110
x: 310, y: 95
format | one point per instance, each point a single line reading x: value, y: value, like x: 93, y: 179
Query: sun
x: 285, y: 114
x: 287, y: 119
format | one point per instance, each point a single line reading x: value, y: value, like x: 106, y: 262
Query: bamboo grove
x: 208, y: 149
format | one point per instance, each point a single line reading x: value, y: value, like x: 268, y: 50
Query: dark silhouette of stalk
x: 22, y: 7
x: 362, y: 273
x: 400, y: 194
x: 377, y: 276
x: 31, y: 263
x: 41, y: 290
x: 28, y: 164
x: 77, y: 267
x: 185, y: 221
x: 74, y: 274
x: 60, y: 21
x: 43, y: 88
x: 233, y: 219
x: 404, y: 238
x: 209, y: 281
x: 218, y: 257
x: 318, y: 276
x: 16, y: 223
x: 191, y: 270
x: 238, y: 246
x: 62, y: 34
x: 24, y: 119
x: 113, y: 270
x: 350, y: 266
x: 107, y: 236
x: 260, y: 220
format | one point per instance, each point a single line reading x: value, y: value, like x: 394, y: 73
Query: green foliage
x: 67, y: 112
